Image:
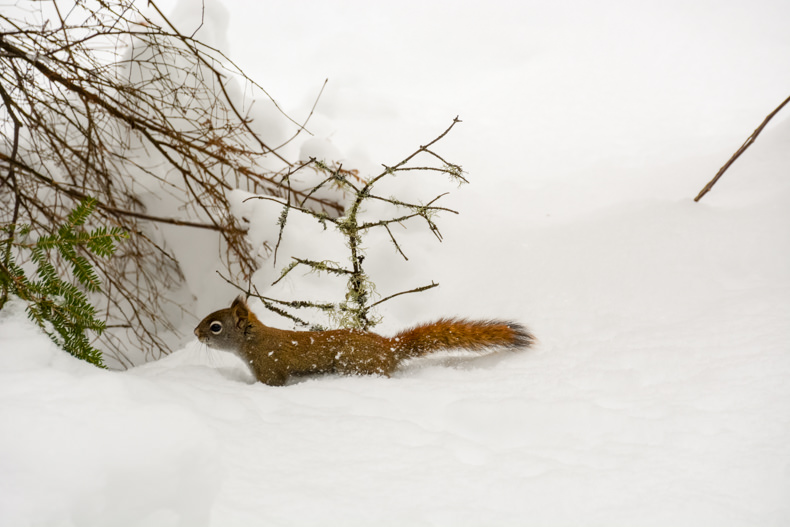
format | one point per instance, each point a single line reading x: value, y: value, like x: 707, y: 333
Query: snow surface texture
x: 659, y: 393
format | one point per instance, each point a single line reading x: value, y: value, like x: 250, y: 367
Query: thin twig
x: 395, y: 242
x: 309, y: 116
x: 740, y: 151
x: 415, y: 290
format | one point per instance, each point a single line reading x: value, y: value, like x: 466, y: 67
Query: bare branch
x: 415, y: 290
x: 740, y: 151
x: 356, y: 308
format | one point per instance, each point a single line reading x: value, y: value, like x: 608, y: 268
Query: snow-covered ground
x: 659, y: 392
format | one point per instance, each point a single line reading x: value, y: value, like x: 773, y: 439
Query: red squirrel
x: 275, y: 354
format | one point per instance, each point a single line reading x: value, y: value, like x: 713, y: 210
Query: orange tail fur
x: 470, y: 335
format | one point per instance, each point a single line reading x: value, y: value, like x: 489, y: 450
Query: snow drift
x: 658, y: 394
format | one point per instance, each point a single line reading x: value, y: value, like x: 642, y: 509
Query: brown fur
x: 275, y: 354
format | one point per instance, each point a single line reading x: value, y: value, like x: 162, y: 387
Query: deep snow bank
x: 658, y: 396
x: 81, y: 446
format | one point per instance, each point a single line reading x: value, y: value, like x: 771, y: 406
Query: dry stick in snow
x: 740, y: 151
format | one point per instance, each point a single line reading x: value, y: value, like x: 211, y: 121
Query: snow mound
x: 82, y: 446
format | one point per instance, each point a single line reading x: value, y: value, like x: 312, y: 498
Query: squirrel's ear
x: 239, y: 300
x: 239, y: 309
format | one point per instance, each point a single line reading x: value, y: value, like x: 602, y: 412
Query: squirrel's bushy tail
x: 473, y: 335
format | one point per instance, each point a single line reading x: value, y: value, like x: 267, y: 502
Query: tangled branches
x: 356, y: 310
x: 106, y: 101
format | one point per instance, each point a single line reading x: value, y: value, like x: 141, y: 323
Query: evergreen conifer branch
x: 59, y: 307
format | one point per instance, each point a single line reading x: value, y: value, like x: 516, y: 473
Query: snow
x: 658, y: 394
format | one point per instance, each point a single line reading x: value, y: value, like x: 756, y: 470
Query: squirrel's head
x: 226, y: 329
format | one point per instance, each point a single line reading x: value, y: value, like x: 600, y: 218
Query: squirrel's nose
x: 196, y: 333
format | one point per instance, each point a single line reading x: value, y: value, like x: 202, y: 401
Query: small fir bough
x: 61, y: 308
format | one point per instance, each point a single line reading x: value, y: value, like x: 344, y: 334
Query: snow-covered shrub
x: 113, y: 100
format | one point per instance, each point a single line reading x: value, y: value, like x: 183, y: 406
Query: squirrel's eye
x: 215, y: 327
